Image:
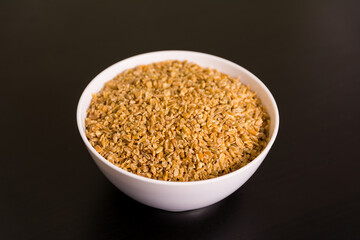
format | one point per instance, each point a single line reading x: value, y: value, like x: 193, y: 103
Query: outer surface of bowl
x: 178, y: 196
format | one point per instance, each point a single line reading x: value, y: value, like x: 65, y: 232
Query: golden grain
x: 177, y: 121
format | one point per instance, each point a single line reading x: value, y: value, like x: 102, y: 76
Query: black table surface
x: 306, y: 52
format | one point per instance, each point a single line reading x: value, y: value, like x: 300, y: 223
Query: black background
x: 306, y: 52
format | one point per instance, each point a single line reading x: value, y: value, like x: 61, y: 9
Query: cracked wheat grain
x: 177, y: 121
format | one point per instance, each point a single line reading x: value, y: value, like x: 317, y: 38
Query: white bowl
x: 178, y: 196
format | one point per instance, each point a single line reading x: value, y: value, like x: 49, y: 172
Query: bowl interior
x: 204, y: 60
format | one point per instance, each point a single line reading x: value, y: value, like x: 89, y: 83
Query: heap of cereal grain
x: 177, y: 121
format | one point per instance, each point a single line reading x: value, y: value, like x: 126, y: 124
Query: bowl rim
x: 173, y: 183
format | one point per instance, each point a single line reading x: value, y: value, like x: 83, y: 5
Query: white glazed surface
x: 178, y: 196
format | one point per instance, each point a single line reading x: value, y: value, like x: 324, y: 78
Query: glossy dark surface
x: 306, y: 52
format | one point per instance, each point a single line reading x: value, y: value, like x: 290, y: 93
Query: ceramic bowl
x: 178, y: 196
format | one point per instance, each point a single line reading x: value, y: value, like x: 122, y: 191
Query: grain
x: 177, y: 121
